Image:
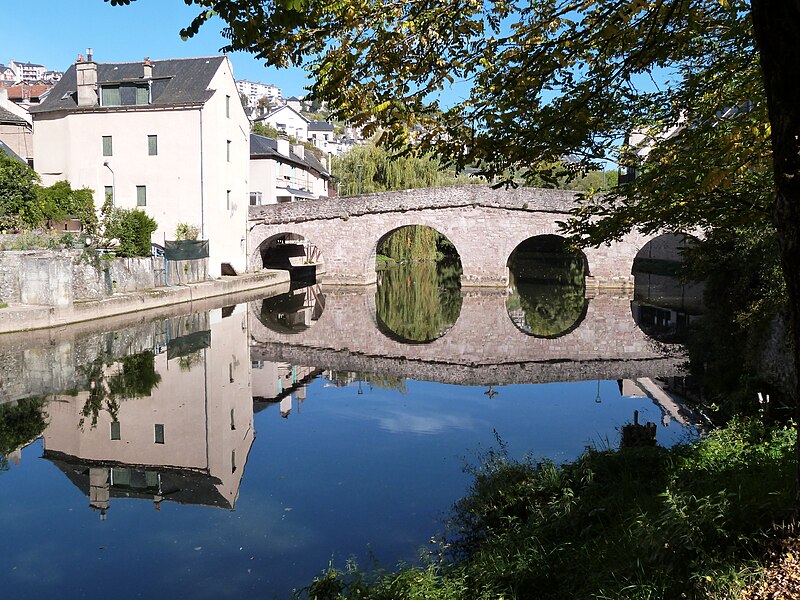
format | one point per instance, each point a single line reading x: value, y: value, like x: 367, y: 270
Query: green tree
x: 265, y: 129
x: 59, y: 202
x: 371, y: 168
x: 130, y: 228
x: 18, y: 184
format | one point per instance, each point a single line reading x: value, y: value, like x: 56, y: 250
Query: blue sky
x: 54, y: 32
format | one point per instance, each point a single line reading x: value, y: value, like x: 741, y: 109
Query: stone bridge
x: 484, y: 224
x: 484, y: 347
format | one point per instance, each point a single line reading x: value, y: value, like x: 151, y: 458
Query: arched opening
x: 664, y: 303
x: 294, y: 311
x: 547, y: 286
x: 292, y: 252
x: 418, y: 294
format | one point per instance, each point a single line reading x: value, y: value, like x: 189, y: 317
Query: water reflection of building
x: 280, y: 383
x: 185, y: 442
x: 672, y: 405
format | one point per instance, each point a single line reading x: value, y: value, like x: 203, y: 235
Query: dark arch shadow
x: 664, y: 305
x: 291, y: 252
x: 418, y: 290
x: 292, y: 312
x: 547, y: 287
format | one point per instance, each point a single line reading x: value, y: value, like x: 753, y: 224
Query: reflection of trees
x: 20, y: 423
x: 418, y: 302
x: 374, y: 380
x: 135, y: 378
x: 548, y: 290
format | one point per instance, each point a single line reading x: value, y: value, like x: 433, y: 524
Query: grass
x: 640, y: 523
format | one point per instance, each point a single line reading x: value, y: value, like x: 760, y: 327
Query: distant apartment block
x: 255, y: 91
x: 27, y: 72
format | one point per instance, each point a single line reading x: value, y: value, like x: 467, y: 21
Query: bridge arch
x: 547, y: 286
x: 663, y: 304
x: 287, y: 250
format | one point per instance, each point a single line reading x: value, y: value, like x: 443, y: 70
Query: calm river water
x: 238, y: 450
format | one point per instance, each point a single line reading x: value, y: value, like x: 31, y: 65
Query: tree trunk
x: 776, y: 24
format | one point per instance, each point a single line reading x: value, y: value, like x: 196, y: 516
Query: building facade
x: 169, y: 137
x: 280, y: 172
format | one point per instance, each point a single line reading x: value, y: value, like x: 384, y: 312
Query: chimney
x: 300, y: 150
x: 283, y: 145
x: 148, y: 68
x: 86, y: 72
x: 3, y: 97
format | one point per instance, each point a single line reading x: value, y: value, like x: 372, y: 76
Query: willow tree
x: 371, y: 168
x: 543, y: 79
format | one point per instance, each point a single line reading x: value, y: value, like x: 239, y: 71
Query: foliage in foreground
x: 688, y: 522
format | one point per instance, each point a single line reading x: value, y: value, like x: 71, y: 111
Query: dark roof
x: 9, y: 152
x: 320, y: 126
x: 177, y: 81
x: 312, y: 162
x: 265, y: 147
x: 182, y: 486
x: 6, y: 116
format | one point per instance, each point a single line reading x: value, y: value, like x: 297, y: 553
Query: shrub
x: 131, y: 228
x: 185, y: 231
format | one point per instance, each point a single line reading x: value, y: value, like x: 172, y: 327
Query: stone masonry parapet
x: 519, y: 199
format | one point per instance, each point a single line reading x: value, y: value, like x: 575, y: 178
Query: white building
x: 256, y: 91
x: 7, y: 73
x: 27, y: 72
x: 280, y: 172
x: 287, y: 120
x: 169, y: 137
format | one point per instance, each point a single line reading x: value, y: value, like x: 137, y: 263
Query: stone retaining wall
x: 59, y: 277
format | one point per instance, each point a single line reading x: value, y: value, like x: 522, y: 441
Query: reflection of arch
x: 290, y: 252
x: 294, y: 311
x: 547, y: 284
x: 664, y: 305
x: 419, y: 299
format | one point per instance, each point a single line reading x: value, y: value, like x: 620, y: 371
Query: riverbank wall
x: 29, y: 316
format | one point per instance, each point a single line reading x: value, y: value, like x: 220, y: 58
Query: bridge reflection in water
x: 483, y: 347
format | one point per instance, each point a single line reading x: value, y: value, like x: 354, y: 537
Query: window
x: 233, y: 461
x: 228, y: 150
x: 115, y: 430
x: 107, y: 146
x: 228, y: 106
x: 142, y: 94
x: 141, y: 195
x: 233, y: 420
x: 158, y: 430
x: 108, y: 193
x: 109, y: 95
x: 228, y: 200
x: 152, y: 145
x: 255, y: 198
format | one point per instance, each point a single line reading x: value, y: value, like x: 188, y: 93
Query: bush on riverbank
x: 687, y: 522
